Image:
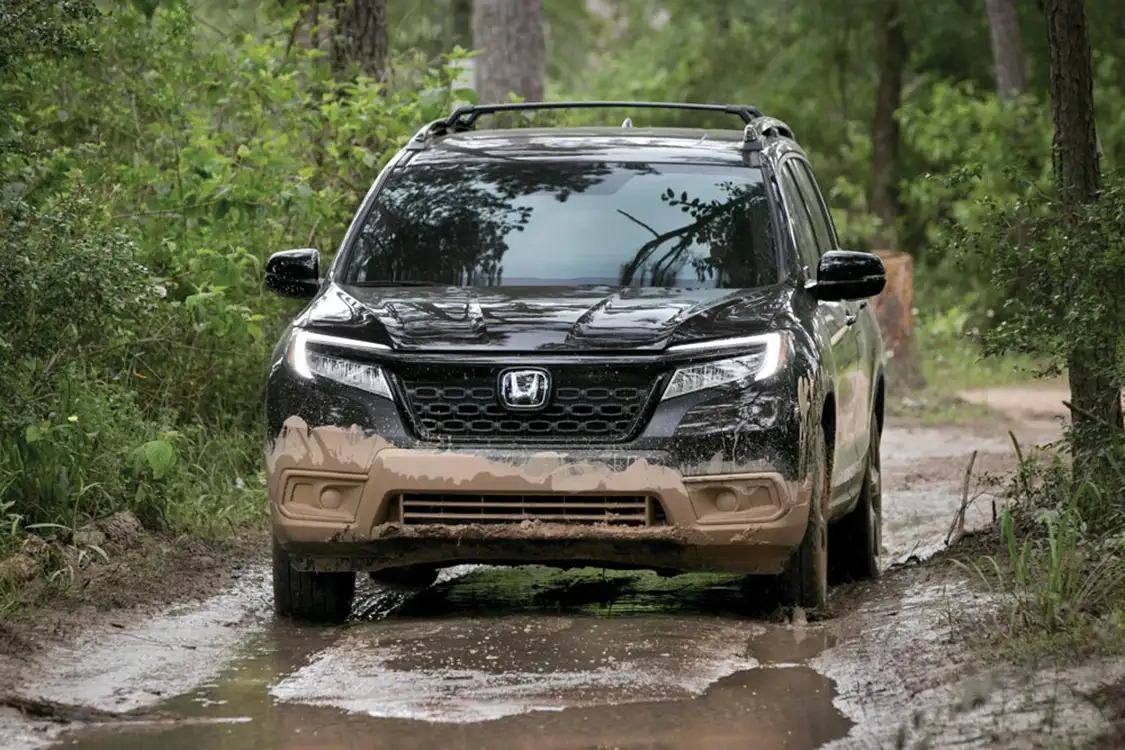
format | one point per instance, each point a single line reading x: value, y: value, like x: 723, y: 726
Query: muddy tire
x: 856, y: 538
x: 313, y: 597
x: 414, y: 577
x: 805, y: 581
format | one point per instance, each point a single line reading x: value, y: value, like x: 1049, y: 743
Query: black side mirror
x: 294, y: 273
x: 847, y: 275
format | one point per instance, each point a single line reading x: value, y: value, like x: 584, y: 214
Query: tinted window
x: 821, y: 221
x: 505, y: 223
x: 799, y: 221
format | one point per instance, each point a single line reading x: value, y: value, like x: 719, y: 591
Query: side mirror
x: 847, y: 275
x: 294, y: 273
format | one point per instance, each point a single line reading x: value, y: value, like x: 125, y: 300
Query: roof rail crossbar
x: 465, y: 117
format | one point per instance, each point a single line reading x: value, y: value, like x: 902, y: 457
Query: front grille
x: 460, y: 403
x: 459, y: 509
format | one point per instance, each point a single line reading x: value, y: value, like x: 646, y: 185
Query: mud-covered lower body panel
x: 561, y: 545
x: 350, y: 500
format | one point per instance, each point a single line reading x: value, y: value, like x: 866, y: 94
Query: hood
x: 541, y: 319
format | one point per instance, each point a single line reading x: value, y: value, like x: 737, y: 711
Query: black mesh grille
x: 453, y: 509
x: 594, y: 404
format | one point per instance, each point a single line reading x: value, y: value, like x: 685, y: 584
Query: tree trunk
x: 463, y: 23
x: 1094, y: 395
x: 1007, y: 48
x: 509, y: 34
x: 360, y: 39
x: 884, y: 132
x: 894, y: 309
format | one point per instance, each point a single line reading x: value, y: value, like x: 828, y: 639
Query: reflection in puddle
x: 521, y: 658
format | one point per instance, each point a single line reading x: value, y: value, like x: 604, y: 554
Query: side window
x: 799, y: 222
x: 814, y: 199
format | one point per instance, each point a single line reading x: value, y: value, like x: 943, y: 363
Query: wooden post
x: 894, y: 309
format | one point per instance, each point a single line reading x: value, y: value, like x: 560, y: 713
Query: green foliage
x: 1059, y: 567
x: 148, y: 181
x: 969, y: 141
x: 1070, y: 301
x: 46, y: 27
x: 1059, y: 579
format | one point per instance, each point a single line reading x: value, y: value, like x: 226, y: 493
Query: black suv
x: 622, y: 346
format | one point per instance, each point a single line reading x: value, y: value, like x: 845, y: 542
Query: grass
x: 953, y: 362
x: 74, y: 500
x: 1057, y: 568
x: 931, y: 406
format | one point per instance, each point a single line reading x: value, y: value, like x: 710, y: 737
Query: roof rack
x: 465, y: 117
x: 764, y: 127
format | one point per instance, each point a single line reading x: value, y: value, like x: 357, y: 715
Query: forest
x: 154, y: 153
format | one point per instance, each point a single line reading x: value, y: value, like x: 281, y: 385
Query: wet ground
x: 535, y: 658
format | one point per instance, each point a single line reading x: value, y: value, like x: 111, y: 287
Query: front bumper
x: 336, y: 500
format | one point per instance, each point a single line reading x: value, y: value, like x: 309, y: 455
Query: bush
x: 144, y: 183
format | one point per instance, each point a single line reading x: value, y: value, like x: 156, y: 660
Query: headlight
x: 360, y: 375
x: 769, y: 354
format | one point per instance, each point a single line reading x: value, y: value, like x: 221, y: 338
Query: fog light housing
x: 321, y: 496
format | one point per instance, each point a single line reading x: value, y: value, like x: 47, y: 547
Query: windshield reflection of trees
x: 450, y: 226
x: 732, y: 233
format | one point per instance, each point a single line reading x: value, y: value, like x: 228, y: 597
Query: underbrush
x: 147, y: 171
x: 1058, y: 565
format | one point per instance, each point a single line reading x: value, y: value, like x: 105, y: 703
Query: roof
x: 667, y: 145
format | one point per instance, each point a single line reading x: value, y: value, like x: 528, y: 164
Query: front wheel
x: 304, y: 595
x: 805, y: 581
x: 856, y: 538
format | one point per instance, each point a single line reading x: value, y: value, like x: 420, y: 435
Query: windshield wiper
x: 392, y: 283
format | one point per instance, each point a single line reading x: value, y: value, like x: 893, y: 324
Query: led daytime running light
x: 360, y: 375
x: 758, y: 365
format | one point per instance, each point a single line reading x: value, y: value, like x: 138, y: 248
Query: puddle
x: 122, y: 669
x: 537, y: 658
x: 519, y: 658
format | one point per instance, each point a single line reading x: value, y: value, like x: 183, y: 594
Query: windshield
x: 567, y: 223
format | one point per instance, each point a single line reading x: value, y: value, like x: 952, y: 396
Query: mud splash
x: 329, y: 448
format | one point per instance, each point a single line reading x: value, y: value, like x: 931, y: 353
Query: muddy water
x: 518, y: 658
x: 534, y: 658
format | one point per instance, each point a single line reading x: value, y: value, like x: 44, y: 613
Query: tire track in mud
x: 535, y: 658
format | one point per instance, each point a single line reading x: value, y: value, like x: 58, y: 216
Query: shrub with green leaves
x: 145, y: 180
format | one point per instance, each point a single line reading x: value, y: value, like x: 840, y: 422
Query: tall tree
x: 509, y: 34
x: 1007, y: 47
x: 896, y: 303
x: 885, y: 132
x: 462, y: 13
x: 360, y: 39
x: 1094, y: 394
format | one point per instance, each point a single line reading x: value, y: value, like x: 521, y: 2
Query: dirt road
x: 533, y: 658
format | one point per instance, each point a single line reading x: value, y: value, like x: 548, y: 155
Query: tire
x: 313, y: 597
x: 856, y: 538
x: 414, y: 577
x: 805, y: 581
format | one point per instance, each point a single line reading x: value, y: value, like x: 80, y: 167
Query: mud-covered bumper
x: 339, y: 500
